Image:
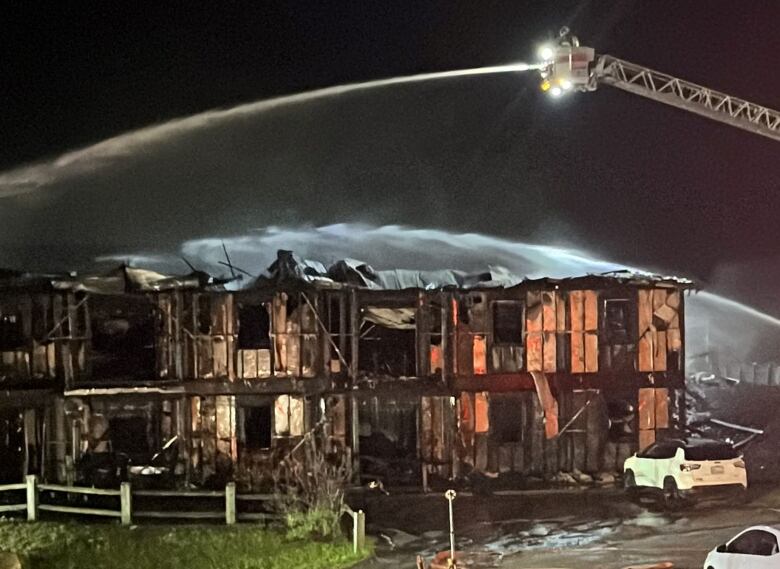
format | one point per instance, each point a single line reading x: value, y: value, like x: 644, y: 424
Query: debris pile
x: 741, y: 413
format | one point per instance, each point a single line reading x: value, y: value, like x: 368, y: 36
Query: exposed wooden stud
x: 662, y: 408
x: 354, y: 329
x: 422, y: 336
x: 445, y: 337
x: 327, y: 340
x: 479, y: 351
x: 355, y: 435
x: 534, y: 327
x: 343, y: 335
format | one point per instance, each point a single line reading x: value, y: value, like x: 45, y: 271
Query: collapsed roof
x: 121, y: 280
x: 290, y: 267
x: 290, y: 270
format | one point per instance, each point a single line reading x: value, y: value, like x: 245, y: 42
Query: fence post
x: 358, y: 531
x: 230, y: 503
x: 32, y: 497
x: 361, y: 523
x: 126, y: 501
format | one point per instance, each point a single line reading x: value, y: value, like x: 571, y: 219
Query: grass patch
x: 49, y: 545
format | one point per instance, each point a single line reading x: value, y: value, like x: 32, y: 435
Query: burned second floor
x: 337, y: 328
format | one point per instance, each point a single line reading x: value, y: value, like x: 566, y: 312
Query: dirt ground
x: 594, y: 528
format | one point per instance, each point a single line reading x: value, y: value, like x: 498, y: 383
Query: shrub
x: 309, y: 490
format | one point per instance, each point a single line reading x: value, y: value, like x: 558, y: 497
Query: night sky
x: 629, y: 179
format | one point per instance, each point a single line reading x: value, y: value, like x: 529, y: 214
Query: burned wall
x: 43, y: 336
x: 660, y: 343
x: 238, y: 336
x: 615, y: 330
x: 104, y: 439
x: 122, y: 346
x: 22, y: 446
x: 243, y: 438
x: 196, y: 338
x: 504, y: 433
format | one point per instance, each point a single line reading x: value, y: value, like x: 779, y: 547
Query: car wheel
x: 629, y: 485
x: 738, y: 497
x: 671, y: 493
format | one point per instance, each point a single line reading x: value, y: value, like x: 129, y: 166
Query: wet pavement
x: 592, y: 528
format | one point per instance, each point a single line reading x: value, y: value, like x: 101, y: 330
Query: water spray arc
x: 102, y: 155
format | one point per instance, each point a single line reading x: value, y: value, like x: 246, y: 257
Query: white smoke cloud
x: 393, y: 246
x: 712, y: 321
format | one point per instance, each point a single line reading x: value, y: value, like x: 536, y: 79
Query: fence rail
x: 126, y: 512
x: 20, y: 507
x: 78, y: 490
x: 34, y: 504
x: 180, y: 493
x: 78, y: 510
x: 173, y: 515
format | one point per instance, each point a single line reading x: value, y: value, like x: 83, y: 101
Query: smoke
x: 394, y: 246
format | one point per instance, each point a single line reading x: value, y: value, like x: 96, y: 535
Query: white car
x: 678, y: 467
x: 754, y: 548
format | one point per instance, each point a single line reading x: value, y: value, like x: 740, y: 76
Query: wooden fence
x: 358, y: 528
x: 20, y: 507
x: 35, y: 494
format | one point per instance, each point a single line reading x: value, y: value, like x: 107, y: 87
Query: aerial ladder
x: 568, y: 66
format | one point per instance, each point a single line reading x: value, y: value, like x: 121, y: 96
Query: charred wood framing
x: 414, y: 375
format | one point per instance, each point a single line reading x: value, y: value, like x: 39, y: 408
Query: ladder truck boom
x: 567, y: 66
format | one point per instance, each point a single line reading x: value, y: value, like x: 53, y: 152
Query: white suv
x: 754, y: 548
x: 679, y: 466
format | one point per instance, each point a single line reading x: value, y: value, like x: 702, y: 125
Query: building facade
x: 411, y: 375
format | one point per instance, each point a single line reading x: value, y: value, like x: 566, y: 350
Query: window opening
x: 11, y: 334
x: 387, y: 345
x: 204, y: 314
x: 508, y: 322
x: 128, y: 436
x: 258, y: 427
x: 254, y: 328
x: 505, y: 424
x: 123, y: 338
x: 616, y: 317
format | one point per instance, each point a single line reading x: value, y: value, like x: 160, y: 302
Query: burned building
x: 195, y: 381
x: 171, y: 377
x: 527, y: 377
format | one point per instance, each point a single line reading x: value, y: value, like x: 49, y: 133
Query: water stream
x: 29, y: 178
